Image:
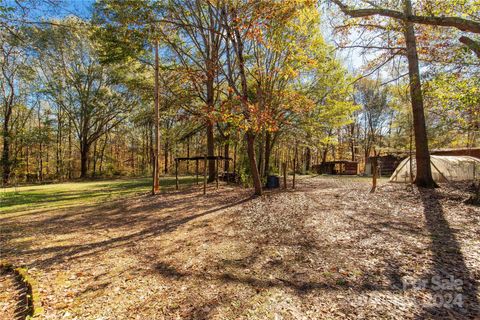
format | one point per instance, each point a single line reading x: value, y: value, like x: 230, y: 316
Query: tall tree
x: 127, y: 30
x: 424, y: 176
x: 375, y: 110
x: 241, y: 19
x: 196, y: 38
x: 407, y: 19
x: 91, y: 94
x: 12, y: 62
x: 156, y: 139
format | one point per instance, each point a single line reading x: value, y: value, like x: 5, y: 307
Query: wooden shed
x: 341, y: 167
x: 386, y: 164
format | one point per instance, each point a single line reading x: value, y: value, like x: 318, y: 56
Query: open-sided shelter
x: 204, y: 160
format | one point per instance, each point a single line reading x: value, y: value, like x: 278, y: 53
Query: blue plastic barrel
x: 273, y: 182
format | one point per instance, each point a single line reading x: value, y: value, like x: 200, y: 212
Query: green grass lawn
x: 61, y: 195
x: 26, y: 198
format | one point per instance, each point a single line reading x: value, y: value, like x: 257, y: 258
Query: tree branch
x: 456, y: 22
x: 471, y: 44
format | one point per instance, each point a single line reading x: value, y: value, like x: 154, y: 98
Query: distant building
x: 341, y: 167
x: 472, y: 152
x: 386, y: 164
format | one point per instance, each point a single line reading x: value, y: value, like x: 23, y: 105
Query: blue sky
x: 54, y: 8
x: 82, y: 8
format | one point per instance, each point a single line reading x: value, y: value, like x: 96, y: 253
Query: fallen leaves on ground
x: 328, y: 250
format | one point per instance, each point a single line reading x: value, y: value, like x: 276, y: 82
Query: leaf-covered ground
x: 9, y: 294
x: 329, y: 250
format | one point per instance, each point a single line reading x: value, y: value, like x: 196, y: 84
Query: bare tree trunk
x: 40, y: 162
x: 236, y: 37
x: 261, y: 154
x: 40, y: 149
x: 102, y: 154
x: 8, y: 109
x: 151, y: 150
x: 94, y: 170
x: 156, y: 166
x: 148, y: 147
x: 47, y: 160
x: 308, y: 159
x: 165, y: 157
x: 27, y: 163
x: 226, y: 154
x: 84, y: 150
x: 133, y: 157
x: 70, y: 154
x: 324, y: 154
x: 6, y: 150
x: 210, y: 151
x: 58, y: 164
x: 257, y: 184
x: 374, y: 174
x: 352, y: 140
x: 268, y: 151
x: 424, y: 173
x: 144, y: 149
x: 173, y: 154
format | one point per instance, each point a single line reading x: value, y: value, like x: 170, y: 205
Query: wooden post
x: 374, y: 176
x: 284, y: 167
x: 204, y: 174
x: 176, y: 174
x: 196, y: 169
x: 216, y: 174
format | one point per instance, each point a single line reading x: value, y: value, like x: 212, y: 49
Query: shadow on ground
x: 328, y: 249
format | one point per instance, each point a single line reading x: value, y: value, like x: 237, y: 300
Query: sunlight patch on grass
x: 62, y: 195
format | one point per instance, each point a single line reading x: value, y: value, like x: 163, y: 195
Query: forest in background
x: 255, y: 81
